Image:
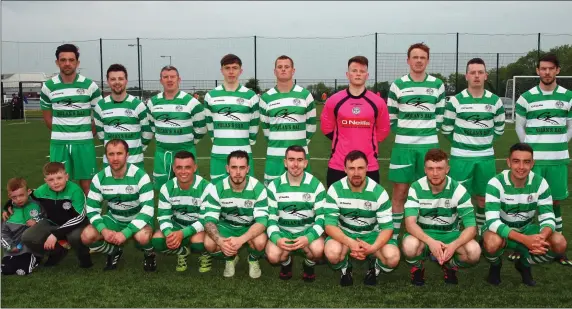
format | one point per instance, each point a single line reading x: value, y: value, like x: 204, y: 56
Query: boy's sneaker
x: 254, y: 270
x: 205, y: 261
x: 182, y: 260
x: 113, y: 259
x: 229, y: 267
x: 308, y: 275
x: 346, y: 278
x: 149, y: 263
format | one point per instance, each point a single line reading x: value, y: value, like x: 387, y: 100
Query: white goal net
x: 518, y: 85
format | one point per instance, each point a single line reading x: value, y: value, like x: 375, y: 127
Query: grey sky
x: 314, y: 58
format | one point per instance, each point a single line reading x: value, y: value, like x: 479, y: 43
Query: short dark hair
x: 116, y: 67
x: 295, y: 148
x: 67, y: 48
x: 549, y: 58
x: 422, y: 46
x: 16, y: 183
x: 476, y: 61
x: 358, y: 59
x: 354, y: 155
x: 520, y: 147
x: 117, y: 141
x: 284, y: 57
x: 51, y: 168
x: 436, y: 155
x: 169, y: 68
x: 239, y: 154
x: 230, y: 59
x: 183, y: 154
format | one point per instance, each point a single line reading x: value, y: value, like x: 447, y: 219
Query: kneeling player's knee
x: 392, y: 256
x: 198, y: 237
x: 142, y: 237
x: 558, y: 243
x: 492, y: 242
x: 158, y: 234
x: 210, y: 245
x: 259, y: 242
x: 333, y: 254
x: 273, y: 256
x: 410, y: 246
x: 473, y: 252
x: 89, y: 235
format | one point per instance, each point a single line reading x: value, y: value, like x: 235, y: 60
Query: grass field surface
x: 25, y: 148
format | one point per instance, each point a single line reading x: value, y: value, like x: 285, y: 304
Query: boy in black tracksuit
x: 63, y: 205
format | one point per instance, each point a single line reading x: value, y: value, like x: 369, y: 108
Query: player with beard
x: 296, y: 220
x: 544, y: 121
x: 122, y: 116
x: 129, y: 195
x: 519, y: 215
x: 435, y: 207
x: 235, y: 213
x: 358, y: 222
x: 67, y: 100
x: 415, y: 103
x: 474, y: 118
x: 287, y: 117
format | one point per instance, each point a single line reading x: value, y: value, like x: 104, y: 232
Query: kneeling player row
x: 295, y: 210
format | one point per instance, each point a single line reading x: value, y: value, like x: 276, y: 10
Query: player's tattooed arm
x: 212, y: 231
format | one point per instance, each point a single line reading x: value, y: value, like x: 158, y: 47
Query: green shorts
x: 442, y: 236
x: 407, y: 165
x: 530, y: 229
x: 557, y: 178
x: 163, y: 165
x: 274, y: 168
x: 218, y: 168
x: 226, y: 230
x: 177, y: 227
x: 473, y: 174
x: 114, y: 225
x: 368, y: 238
x: 79, y: 159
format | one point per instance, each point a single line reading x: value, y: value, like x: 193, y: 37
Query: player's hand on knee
x: 436, y: 247
x: 50, y: 242
x: 300, y: 242
x: 284, y: 244
x: 174, y: 240
x: 227, y: 248
x: 119, y: 239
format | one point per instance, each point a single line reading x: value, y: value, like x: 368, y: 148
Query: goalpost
x: 518, y: 85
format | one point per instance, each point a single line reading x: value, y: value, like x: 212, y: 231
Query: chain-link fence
x: 320, y: 62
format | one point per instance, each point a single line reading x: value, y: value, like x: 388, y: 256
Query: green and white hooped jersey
x: 508, y: 207
x: 443, y: 211
x: 358, y: 213
x: 232, y: 119
x: 546, y: 115
x: 71, y: 106
x: 129, y: 199
x: 287, y: 119
x: 127, y: 120
x: 178, y: 123
x: 182, y: 207
x: 296, y: 209
x: 416, y: 110
x: 472, y: 124
x: 240, y: 209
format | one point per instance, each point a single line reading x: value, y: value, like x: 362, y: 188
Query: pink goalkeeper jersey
x: 355, y: 123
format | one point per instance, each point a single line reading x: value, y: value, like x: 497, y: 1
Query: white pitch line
x: 18, y: 123
x: 97, y: 146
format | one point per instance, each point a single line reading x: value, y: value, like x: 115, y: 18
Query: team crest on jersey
x: 128, y: 113
x: 447, y: 203
x: 67, y: 205
x: 529, y: 199
x: 559, y: 104
x: 356, y: 110
x: 80, y: 91
x: 307, y: 197
x: 429, y: 91
x: 297, y: 102
x: 367, y: 205
x: 129, y: 189
x: 488, y: 108
x: 240, y: 101
x: 33, y: 213
x: 248, y: 204
x: 179, y: 108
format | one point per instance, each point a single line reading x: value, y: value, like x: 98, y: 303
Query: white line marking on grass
x: 13, y: 124
x: 97, y: 146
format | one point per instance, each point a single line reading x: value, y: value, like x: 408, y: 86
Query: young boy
x: 18, y: 259
x: 63, y: 203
